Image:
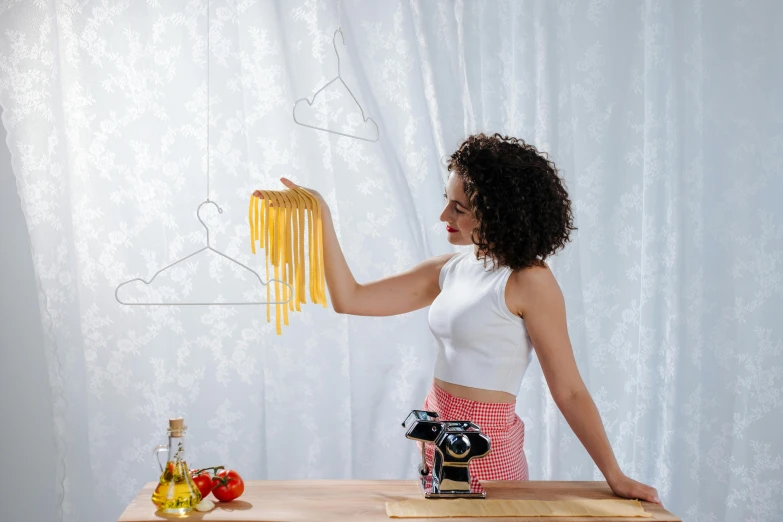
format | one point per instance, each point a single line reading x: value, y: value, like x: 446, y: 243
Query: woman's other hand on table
x: 626, y: 487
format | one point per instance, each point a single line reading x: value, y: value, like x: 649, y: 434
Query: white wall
x: 27, y: 453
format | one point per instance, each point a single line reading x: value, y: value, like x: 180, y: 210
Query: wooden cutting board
x: 365, y: 501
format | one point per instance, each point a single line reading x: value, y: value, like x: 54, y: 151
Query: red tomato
x: 227, y: 485
x: 202, y: 480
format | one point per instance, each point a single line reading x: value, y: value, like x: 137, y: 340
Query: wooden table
x: 365, y: 501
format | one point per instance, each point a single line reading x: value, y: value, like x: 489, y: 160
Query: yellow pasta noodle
x: 287, y: 225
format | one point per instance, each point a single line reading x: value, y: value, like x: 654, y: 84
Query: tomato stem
x: 214, y: 469
x: 223, y: 480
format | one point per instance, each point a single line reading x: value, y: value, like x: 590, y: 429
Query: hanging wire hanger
x: 336, y: 78
x: 208, y: 247
x: 287, y: 287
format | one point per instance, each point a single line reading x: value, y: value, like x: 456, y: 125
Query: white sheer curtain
x: 664, y: 117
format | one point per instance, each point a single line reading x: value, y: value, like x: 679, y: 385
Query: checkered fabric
x: 498, y: 421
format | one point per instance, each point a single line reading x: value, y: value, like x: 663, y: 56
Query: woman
x: 490, y: 308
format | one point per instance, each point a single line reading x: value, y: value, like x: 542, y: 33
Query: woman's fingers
x: 649, y: 494
x: 628, y: 488
x: 288, y: 183
x: 291, y: 185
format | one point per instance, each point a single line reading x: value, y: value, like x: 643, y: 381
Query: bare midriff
x: 475, y: 394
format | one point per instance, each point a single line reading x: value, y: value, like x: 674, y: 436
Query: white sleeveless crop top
x: 481, y: 343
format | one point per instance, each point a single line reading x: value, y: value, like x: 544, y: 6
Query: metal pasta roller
x: 456, y: 444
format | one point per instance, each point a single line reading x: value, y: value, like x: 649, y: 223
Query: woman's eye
x: 457, y: 210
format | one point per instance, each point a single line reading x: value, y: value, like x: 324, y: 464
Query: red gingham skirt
x: 498, y: 421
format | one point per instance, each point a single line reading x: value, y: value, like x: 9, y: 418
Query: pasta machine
x: 456, y: 443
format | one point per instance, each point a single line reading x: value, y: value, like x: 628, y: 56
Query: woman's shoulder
x: 444, y: 259
x: 442, y: 264
x: 537, y: 276
x: 527, y: 285
x: 435, y: 264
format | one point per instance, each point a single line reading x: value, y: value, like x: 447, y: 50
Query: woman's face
x: 459, y: 218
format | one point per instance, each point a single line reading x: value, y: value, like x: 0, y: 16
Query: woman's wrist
x: 325, y: 210
x: 614, y: 474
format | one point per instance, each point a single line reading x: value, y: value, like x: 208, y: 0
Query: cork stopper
x: 177, y: 426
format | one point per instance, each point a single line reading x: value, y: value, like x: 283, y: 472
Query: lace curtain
x: 663, y: 116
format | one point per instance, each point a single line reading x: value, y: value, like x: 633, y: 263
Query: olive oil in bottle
x: 176, y: 493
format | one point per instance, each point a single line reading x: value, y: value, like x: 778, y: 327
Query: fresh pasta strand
x: 267, y: 220
x: 252, y: 216
x: 316, y: 249
x: 318, y: 276
x: 293, y: 260
x: 299, y: 243
x: 289, y: 239
x: 288, y: 225
x: 260, y: 223
x: 284, y: 233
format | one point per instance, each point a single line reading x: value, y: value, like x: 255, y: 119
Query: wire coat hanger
x: 209, y: 246
x: 310, y: 102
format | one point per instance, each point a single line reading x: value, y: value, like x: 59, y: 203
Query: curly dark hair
x: 520, y: 201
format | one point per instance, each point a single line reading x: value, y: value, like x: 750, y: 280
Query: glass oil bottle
x: 176, y: 493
